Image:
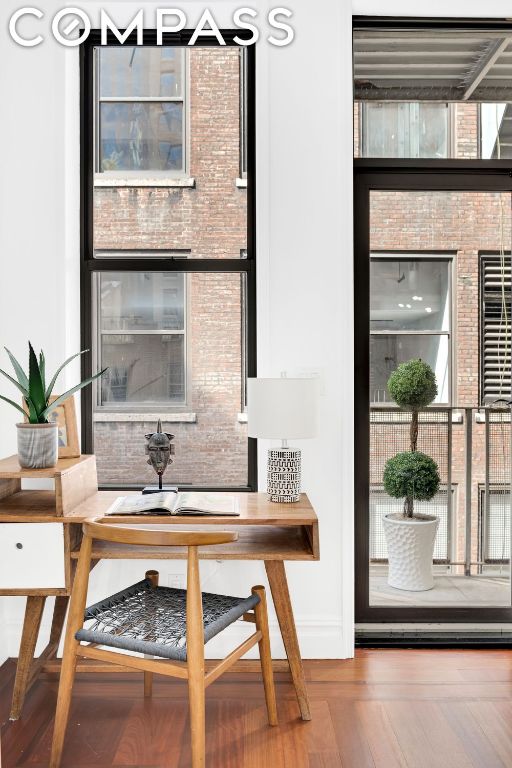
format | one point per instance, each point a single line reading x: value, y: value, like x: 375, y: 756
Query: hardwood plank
x: 157, y: 725
x: 384, y: 746
x: 352, y: 741
x: 411, y: 736
x: 469, y: 730
x: 496, y: 727
x: 320, y: 740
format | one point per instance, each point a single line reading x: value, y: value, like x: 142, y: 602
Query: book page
x: 208, y: 504
x: 139, y: 505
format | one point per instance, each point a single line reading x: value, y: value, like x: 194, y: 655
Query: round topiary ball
x: 412, y: 474
x: 413, y: 385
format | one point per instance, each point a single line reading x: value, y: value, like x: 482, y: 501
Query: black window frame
x: 89, y: 265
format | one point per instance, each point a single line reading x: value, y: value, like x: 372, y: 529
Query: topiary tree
x: 413, y: 386
x: 412, y: 474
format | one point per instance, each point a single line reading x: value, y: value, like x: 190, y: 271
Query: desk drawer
x: 32, y: 556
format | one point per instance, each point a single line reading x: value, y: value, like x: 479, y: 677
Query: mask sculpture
x: 159, y: 450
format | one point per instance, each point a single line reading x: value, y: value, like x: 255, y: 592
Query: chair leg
x: 153, y: 577
x: 196, y: 696
x: 67, y: 676
x: 261, y: 614
x: 195, y: 661
x: 68, y: 668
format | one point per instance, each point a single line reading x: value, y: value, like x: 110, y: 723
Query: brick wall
x: 210, y: 220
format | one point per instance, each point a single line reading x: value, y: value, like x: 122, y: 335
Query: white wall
x: 304, y: 236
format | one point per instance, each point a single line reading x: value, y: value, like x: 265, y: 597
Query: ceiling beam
x: 482, y: 67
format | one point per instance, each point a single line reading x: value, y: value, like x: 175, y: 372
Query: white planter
x: 410, y: 545
x: 38, y: 445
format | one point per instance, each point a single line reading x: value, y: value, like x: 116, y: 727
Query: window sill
x: 145, y: 181
x: 241, y: 183
x: 142, y: 418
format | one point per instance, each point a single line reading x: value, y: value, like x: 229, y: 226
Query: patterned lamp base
x: 283, y: 474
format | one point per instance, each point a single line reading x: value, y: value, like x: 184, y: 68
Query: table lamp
x: 284, y: 409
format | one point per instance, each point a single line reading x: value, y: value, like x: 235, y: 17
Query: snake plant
x: 36, y: 395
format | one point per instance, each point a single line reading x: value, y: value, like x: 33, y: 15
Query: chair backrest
x: 98, y: 528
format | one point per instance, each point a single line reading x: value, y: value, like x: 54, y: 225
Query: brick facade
x: 209, y: 220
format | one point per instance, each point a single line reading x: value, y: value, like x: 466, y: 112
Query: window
x: 410, y: 316
x: 405, y: 129
x: 495, y: 322
x: 140, y: 110
x: 496, y: 131
x: 141, y: 337
x: 168, y: 269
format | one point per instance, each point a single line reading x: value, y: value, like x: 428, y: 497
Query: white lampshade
x: 283, y: 409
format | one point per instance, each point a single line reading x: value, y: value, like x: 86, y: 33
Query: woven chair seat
x: 153, y: 620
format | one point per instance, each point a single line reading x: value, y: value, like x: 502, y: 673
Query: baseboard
x: 319, y: 638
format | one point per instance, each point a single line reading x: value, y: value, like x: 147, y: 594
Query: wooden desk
x: 267, y: 531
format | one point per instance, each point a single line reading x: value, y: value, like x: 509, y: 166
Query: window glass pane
x: 431, y: 125
x: 141, y: 137
x: 142, y: 369
x: 405, y: 129
x: 388, y: 351
x: 192, y: 204
x: 142, y: 301
x: 496, y: 131
x: 133, y: 71
x: 192, y: 377
x: 409, y: 295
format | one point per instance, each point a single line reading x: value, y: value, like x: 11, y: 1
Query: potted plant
x: 38, y: 438
x: 411, y: 475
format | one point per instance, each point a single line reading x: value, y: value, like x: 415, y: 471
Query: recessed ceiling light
x: 401, y: 305
x: 428, y: 309
x: 417, y: 298
x: 408, y: 306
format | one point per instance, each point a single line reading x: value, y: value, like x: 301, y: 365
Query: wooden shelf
x: 256, y: 542
x: 10, y: 468
x: 75, y: 480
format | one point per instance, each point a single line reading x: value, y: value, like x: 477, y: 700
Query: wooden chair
x: 159, y: 621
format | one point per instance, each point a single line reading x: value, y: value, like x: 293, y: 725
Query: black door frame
x: 404, y: 175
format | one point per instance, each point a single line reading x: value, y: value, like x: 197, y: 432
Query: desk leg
x: 281, y: 596
x: 33, y: 615
x: 28, y: 667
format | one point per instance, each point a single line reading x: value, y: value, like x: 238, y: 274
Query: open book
x: 176, y: 504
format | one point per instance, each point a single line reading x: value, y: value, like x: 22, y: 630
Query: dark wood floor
x: 384, y: 709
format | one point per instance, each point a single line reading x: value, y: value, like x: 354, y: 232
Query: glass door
x: 433, y: 428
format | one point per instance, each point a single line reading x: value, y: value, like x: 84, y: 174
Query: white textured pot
x: 38, y: 445
x: 410, y: 545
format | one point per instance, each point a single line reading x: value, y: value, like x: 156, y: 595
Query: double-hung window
x: 141, y: 110
x: 168, y: 263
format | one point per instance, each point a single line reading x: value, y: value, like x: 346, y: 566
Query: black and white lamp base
x: 283, y: 474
